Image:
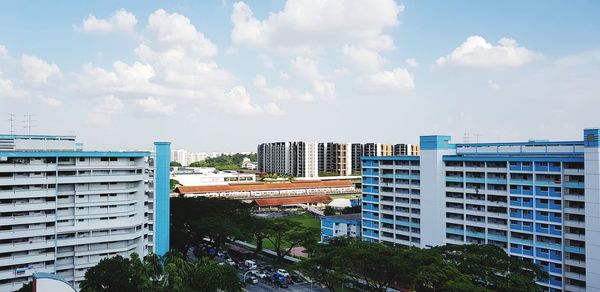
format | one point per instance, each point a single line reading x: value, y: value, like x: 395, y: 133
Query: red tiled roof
x: 262, y: 186
x: 292, y: 200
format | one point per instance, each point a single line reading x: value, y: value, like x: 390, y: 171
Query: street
x: 262, y: 287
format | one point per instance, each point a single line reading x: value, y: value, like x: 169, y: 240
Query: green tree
x: 329, y: 211
x: 285, y: 234
x: 26, y: 288
x: 220, y: 220
x: 174, y: 183
x: 110, y: 274
x: 175, y: 164
x: 492, y: 268
x: 210, y: 276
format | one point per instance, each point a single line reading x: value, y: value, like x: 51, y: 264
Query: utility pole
x: 29, y: 122
x: 466, y: 137
x: 11, y: 119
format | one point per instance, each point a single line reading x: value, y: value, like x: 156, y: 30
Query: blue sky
x: 226, y: 75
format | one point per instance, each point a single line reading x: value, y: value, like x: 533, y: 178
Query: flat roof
x: 353, y: 216
x: 45, y: 137
x: 292, y: 200
x: 71, y: 153
x: 258, y: 186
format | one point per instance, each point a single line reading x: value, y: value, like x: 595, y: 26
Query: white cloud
x: 104, y: 111
x: 50, y: 101
x: 3, y: 52
x: 476, y: 52
x: 37, y: 71
x: 174, y: 62
x: 302, y: 24
x: 121, y: 20
x: 283, y: 93
x: 385, y: 82
x: 153, y: 105
x: 363, y: 59
x: 412, y: 62
x: 324, y: 89
x: 493, y: 85
x: 260, y: 81
x: 284, y: 76
x: 272, y: 109
x: 7, y: 89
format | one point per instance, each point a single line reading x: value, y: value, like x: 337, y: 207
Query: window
x: 103, y: 158
x: 544, y: 189
x: 544, y: 213
x: 544, y: 225
x: 526, y: 188
x: 543, y: 201
x: 526, y: 212
x: 131, y: 159
x: 82, y: 159
x: 113, y: 159
x: 527, y: 224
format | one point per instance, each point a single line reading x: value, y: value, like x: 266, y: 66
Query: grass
x: 305, y: 219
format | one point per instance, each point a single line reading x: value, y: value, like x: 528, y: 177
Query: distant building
x: 346, y: 225
x: 199, y: 176
x: 537, y: 200
x: 308, y: 159
x: 315, y: 202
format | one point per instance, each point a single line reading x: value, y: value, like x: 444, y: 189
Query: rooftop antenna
x: 29, y: 122
x: 477, y: 137
x: 11, y: 119
x: 466, y: 137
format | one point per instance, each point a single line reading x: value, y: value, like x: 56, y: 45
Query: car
x: 296, y: 279
x: 230, y: 262
x: 283, y: 272
x: 252, y: 280
x: 260, y: 274
x: 220, y: 254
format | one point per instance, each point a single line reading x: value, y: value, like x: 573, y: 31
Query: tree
x: 110, y: 274
x: 195, y: 219
x: 352, y: 210
x: 26, y: 288
x: 210, y: 276
x: 491, y: 267
x: 174, y: 183
x: 285, y: 234
x: 329, y: 211
x: 175, y: 164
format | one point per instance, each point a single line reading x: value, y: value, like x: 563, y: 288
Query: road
x: 306, y: 287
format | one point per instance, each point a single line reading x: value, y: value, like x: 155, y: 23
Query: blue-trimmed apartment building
x: 345, y: 225
x: 538, y: 200
x: 63, y: 209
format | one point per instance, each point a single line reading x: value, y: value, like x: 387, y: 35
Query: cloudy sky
x: 225, y: 75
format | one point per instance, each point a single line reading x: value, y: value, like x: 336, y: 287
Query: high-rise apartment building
x: 537, y: 200
x: 63, y: 209
x: 298, y: 158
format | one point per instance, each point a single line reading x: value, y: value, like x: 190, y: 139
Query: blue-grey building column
x: 591, y: 142
x: 161, y: 198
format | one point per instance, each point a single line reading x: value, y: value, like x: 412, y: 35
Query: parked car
x: 219, y: 253
x: 252, y: 280
x: 230, y: 262
x: 260, y: 274
x: 283, y: 272
x: 250, y: 264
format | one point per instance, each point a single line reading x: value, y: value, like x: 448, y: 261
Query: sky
x: 226, y: 75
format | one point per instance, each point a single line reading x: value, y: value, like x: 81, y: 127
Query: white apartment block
x: 63, y: 209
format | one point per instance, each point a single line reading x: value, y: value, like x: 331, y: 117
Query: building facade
x: 346, y: 225
x: 308, y: 159
x: 537, y: 200
x: 63, y: 209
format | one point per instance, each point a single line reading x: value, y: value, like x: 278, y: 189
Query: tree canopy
x: 225, y: 162
x: 376, y: 267
x: 121, y: 274
x: 175, y: 164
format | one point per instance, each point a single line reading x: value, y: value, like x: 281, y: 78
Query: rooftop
x: 258, y: 186
x: 291, y: 200
x: 353, y: 216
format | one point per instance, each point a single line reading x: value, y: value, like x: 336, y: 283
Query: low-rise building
x: 257, y: 190
x: 200, y: 176
x: 345, y: 225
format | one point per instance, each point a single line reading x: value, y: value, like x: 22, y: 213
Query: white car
x: 230, y: 262
x: 259, y: 274
x: 283, y: 273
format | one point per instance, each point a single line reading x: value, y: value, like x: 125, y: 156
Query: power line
x: 29, y: 122
x: 11, y: 119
